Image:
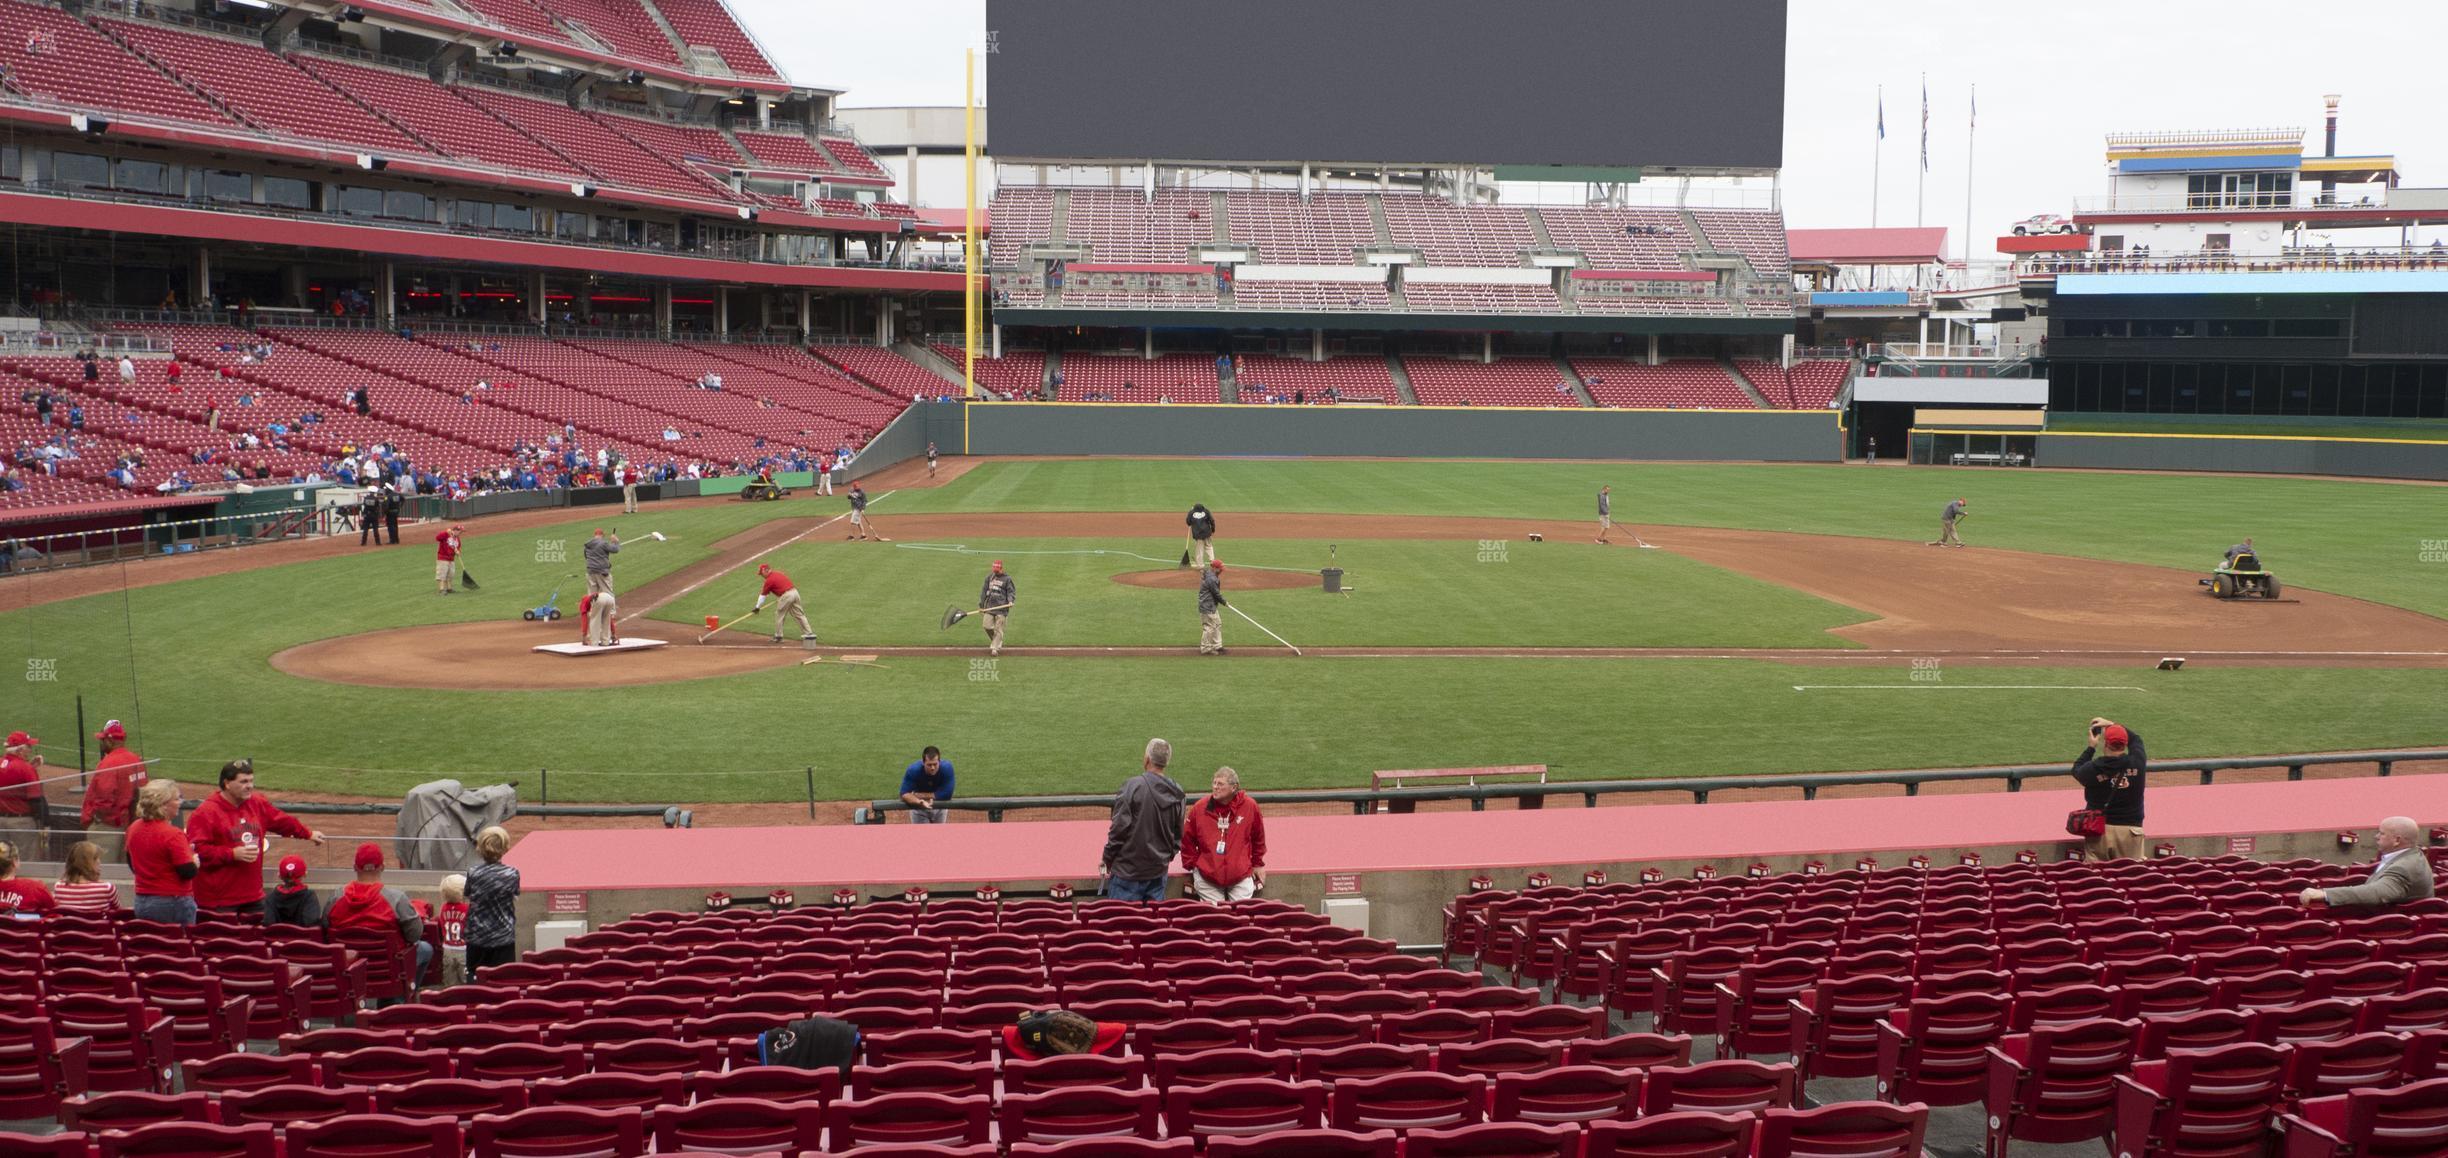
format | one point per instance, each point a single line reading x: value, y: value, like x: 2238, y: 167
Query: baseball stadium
x: 1464, y: 627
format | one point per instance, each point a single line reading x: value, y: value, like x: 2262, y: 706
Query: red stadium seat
x: 739, y: 1126
x: 371, y: 1136
x: 1307, y: 1143
x: 1208, y: 1067
x: 1567, y: 1094
x: 190, y: 1140
x: 38, y: 1068
x: 1250, y: 1107
x: 2407, y: 1120
x: 1632, y: 1051
x: 909, y: 1119
x: 1078, y: 1112
x: 454, y: 1098
x: 1935, y: 1051
x: 1844, y: 1130
x: 284, y: 1105
x: 231, y: 1072
x: 2053, y: 1084
x: 1509, y: 1139
x: 1719, y: 1087
x: 1073, y: 1071
x: 129, y: 1109
x: 1685, y: 1135
x: 2214, y: 1103
x: 551, y: 1131
x: 1505, y: 1055
x: 1408, y: 1101
x: 2319, y: 1069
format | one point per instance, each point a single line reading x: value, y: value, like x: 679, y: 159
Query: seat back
x: 2363, y: 1061
x: 1844, y: 1130
x: 1682, y: 1135
x: 1306, y: 1143
x: 1408, y: 1101
x: 1722, y: 1087
x: 549, y: 1131
x: 1493, y: 1139
x: 739, y: 1126
x: 1567, y: 1094
x: 910, y: 1119
x: 190, y: 1140
x: 1078, y: 1112
x: 1247, y: 1107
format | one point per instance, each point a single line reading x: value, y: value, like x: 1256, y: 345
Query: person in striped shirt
x: 81, y: 888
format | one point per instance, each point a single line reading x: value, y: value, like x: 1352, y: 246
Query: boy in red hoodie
x: 229, y: 831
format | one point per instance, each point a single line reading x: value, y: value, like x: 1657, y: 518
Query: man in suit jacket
x: 2403, y: 874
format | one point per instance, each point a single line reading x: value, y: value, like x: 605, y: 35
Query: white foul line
x: 1967, y: 687
x: 683, y: 593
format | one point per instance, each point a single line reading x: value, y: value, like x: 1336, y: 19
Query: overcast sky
x: 2054, y: 79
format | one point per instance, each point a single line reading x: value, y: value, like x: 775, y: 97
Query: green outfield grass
x: 1409, y: 594
x: 208, y: 694
x: 2404, y: 429
x: 2350, y: 538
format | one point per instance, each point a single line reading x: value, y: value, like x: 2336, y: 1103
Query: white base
x: 580, y: 649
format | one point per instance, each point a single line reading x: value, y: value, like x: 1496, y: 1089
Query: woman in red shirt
x: 18, y: 896
x: 164, y: 863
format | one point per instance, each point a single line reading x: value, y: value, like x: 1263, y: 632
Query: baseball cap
x: 21, y: 739
x: 2114, y: 736
x: 369, y: 856
x: 998, y: 564
x: 764, y: 567
x: 113, y: 730
x: 1218, y: 564
x: 293, y: 868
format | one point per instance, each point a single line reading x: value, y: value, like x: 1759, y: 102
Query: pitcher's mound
x: 1187, y: 579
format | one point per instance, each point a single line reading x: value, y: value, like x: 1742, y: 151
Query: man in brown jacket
x: 2403, y: 874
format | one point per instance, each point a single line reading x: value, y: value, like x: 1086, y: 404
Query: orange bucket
x: 713, y: 621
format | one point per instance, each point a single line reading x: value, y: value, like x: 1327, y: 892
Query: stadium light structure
x: 506, y: 50
x: 636, y: 76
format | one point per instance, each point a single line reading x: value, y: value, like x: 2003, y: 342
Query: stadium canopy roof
x: 1892, y: 246
x: 950, y: 223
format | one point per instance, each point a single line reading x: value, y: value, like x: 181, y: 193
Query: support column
x: 1487, y: 348
x: 909, y: 161
x: 386, y: 285
x: 538, y: 309
x: 199, y: 275
x: 1924, y: 336
x: 765, y: 309
x: 997, y: 338
x: 807, y: 310
x: 722, y: 311
x: 1147, y: 342
x: 1652, y: 359
x: 1317, y: 345
x: 663, y: 310
x: 293, y: 285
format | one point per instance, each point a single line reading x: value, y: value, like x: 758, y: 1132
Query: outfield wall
x: 1092, y: 428
x: 2263, y: 454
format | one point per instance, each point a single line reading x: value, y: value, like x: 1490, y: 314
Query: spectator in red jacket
x: 159, y: 855
x: 17, y: 894
x: 21, y: 795
x: 229, y: 832
x: 368, y: 903
x: 110, y: 800
x: 1224, y: 842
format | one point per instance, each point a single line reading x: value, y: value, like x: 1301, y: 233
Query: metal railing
x: 2293, y: 260
x: 1365, y: 801
x: 177, y: 536
x: 2241, y: 201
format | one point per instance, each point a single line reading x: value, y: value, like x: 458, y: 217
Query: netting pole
x: 811, y: 789
x: 545, y: 775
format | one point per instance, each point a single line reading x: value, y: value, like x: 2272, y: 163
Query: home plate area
x: 577, y: 650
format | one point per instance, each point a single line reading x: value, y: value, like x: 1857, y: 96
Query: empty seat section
x: 1682, y: 383
x: 1021, y: 217
x: 1815, y: 381
x: 788, y: 151
x: 55, y: 56
x: 683, y: 143
x: 1311, y: 295
x: 1361, y: 378
x: 1620, y: 238
x: 264, y: 88
x: 1328, y: 230
x: 605, y: 153
x: 886, y: 370
x: 853, y: 159
x: 1757, y: 234
x: 1440, y: 297
x: 1020, y: 373
x: 1450, y: 234
x: 1503, y: 382
x: 1126, y: 378
x: 1120, y: 225
x: 708, y: 24
x: 437, y: 115
x: 621, y: 25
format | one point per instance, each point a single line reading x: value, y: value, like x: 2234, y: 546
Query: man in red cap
x: 446, y: 555
x: 110, y: 799
x: 21, y: 795
x: 2111, y: 772
x: 367, y: 903
x: 995, y: 601
x: 1211, y: 599
x: 786, y: 601
x: 230, y: 831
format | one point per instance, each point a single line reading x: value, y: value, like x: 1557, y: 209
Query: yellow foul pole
x: 969, y: 230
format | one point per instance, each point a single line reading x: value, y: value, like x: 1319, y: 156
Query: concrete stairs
x: 1564, y: 366
x: 1749, y: 387
x: 1045, y: 383
x: 1402, y: 377
x: 1538, y: 228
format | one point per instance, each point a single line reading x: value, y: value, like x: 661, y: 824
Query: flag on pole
x: 1882, y: 114
x: 1976, y: 106
x: 1925, y: 124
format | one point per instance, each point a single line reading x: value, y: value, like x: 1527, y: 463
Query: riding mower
x: 2242, y: 576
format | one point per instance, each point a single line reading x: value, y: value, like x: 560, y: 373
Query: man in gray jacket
x: 2403, y: 874
x: 1146, y: 831
x: 599, y: 551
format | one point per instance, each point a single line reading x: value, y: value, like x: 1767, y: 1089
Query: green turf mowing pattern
x: 1044, y: 725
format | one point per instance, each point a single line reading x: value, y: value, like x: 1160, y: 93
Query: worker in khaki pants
x: 1210, y: 603
x: 999, y: 592
x: 786, y: 602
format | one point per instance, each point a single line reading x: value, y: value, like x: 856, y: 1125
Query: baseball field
x: 1788, y: 618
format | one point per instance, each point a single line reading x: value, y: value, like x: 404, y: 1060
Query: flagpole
x: 1921, y: 184
x: 1877, y: 149
x: 1971, y: 131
